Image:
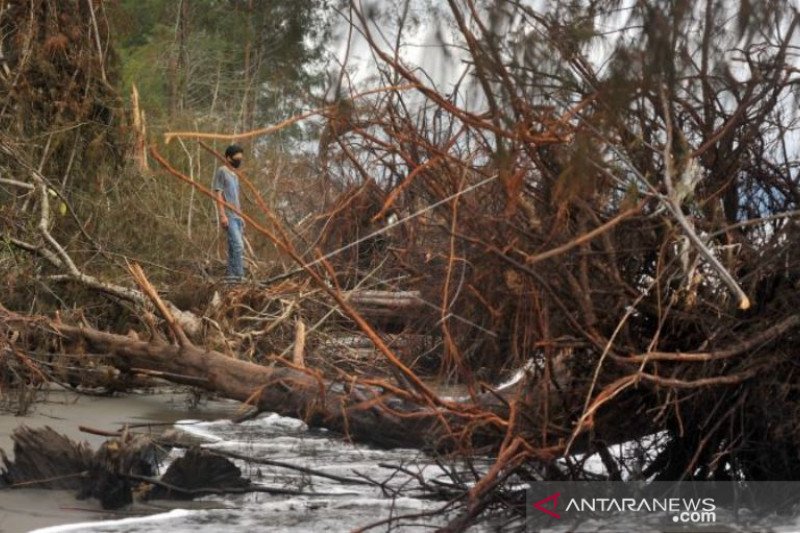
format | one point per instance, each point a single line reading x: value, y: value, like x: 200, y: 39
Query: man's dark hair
x: 232, y: 150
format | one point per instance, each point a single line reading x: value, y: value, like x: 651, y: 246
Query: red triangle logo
x: 554, y: 497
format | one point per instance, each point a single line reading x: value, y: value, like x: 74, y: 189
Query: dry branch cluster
x: 55, y: 79
x: 630, y: 233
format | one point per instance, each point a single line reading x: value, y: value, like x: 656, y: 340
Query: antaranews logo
x: 683, y: 510
x: 623, y: 506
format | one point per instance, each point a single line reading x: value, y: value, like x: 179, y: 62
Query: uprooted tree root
x: 122, y: 466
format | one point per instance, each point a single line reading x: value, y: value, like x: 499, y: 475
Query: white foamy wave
x: 198, y: 429
x: 518, y: 375
x: 274, y: 420
x: 83, y: 526
x: 227, y: 430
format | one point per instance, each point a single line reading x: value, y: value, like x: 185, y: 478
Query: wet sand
x: 26, y: 509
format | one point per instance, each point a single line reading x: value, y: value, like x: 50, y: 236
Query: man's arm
x: 219, y: 199
x: 223, y: 218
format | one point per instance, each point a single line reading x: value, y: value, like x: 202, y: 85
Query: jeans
x: 235, y: 248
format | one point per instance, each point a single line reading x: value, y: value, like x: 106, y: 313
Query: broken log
x: 393, y: 299
x: 387, y: 306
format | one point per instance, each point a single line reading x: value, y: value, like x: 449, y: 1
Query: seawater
x: 327, y: 505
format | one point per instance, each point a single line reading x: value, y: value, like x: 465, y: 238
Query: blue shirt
x: 227, y: 182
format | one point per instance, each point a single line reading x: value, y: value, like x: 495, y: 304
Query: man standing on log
x: 226, y: 190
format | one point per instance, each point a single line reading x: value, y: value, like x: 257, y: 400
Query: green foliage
x: 229, y: 65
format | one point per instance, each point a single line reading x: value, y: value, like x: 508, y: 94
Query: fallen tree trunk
x: 542, y: 411
x: 383, y: 415
x: 363, y: 413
